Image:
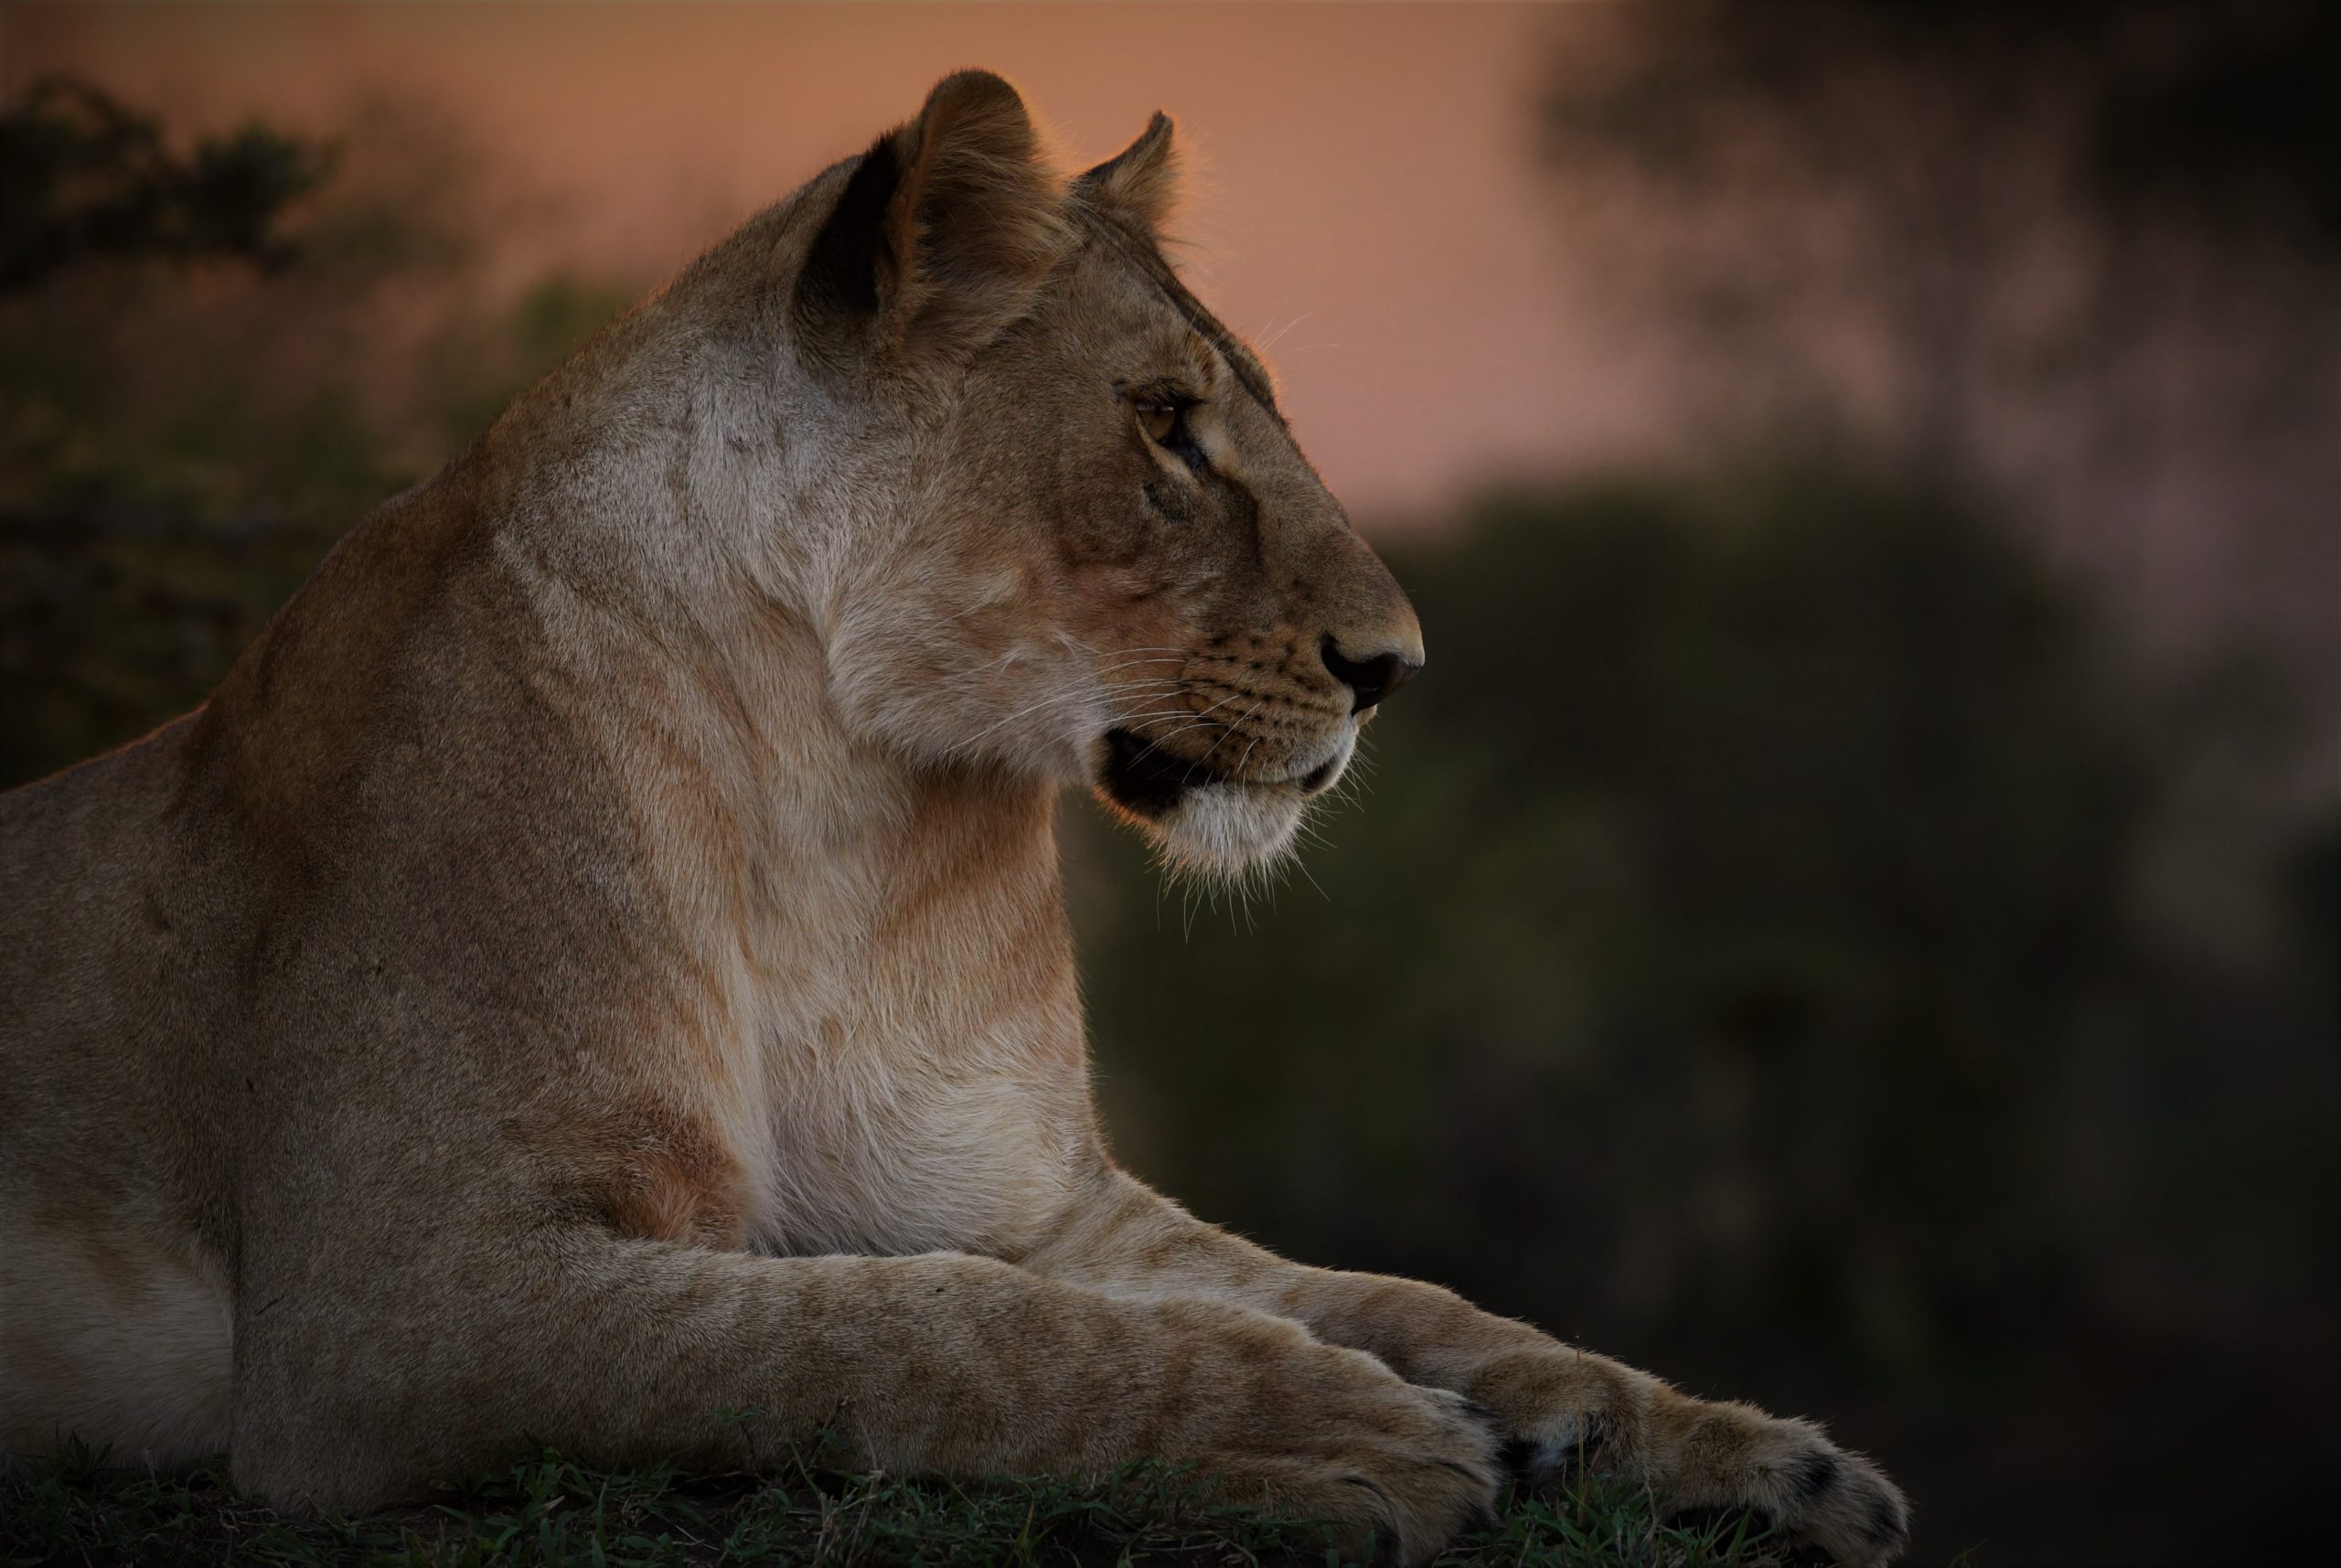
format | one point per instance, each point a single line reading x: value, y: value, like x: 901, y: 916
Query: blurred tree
x: 1907, y: 153
x: 82, y: 178
x: 2230, y: 118
x: 179, y: 444
x: 2088, y: 254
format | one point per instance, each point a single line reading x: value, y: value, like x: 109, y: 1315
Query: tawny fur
x: 597, y: 964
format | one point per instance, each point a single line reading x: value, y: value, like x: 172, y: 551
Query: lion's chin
x: 1223, y: 831
x: 1204, y: 822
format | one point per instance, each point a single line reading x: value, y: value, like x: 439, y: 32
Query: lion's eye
x: 1164, y: 420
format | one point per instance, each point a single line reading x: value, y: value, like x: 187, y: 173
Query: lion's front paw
x: 1405, y: 1469
x: 1734, y: 1456
x: 1570, y: 1410
x: 1333, y: 1434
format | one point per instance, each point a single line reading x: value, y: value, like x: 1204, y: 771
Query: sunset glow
x: 1363, y: 197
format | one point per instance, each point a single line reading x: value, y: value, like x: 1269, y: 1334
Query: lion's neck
x: 884, y: 938
x: 867, y: 931
x: 839, y: 870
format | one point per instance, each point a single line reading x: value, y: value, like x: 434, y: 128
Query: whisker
x: 1233, y: 729
x: 1302, y: 866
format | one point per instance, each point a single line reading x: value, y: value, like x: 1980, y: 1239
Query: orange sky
x: 1367, y: 206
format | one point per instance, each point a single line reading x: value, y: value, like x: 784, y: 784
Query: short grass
x: 73, y: 1508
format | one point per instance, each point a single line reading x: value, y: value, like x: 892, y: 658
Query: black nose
x: 1372, y: 679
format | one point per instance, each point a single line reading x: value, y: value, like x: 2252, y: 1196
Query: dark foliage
x: 2222, y: 114
x: 83, y: 178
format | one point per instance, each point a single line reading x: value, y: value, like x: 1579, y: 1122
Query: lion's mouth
x: 1142, y: 778
x: 1313, y: 783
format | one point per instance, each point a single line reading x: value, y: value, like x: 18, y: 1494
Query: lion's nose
x: 1370, y: 679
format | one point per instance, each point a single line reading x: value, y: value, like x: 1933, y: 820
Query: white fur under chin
x: 1226, y: 832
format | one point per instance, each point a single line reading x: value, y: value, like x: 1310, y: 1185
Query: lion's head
x: 1099, y: 553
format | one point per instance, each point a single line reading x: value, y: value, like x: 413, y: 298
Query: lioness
x: 597, y: 965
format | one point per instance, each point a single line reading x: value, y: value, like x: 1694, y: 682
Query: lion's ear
x: 944, y: 231
x: 1141, y: 182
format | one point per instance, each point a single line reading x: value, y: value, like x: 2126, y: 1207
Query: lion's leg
x: 353, y: 1392
x: 109, y: 1338
x: 1555, y: 1405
